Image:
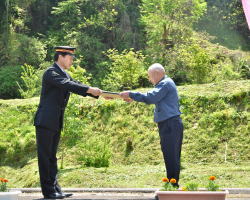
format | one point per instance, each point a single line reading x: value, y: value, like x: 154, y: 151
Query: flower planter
x: 13, y: 195
x: 191, y: 195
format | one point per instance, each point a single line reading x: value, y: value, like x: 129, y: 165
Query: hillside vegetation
x: 117, y: 40
x: 100, y: 133
x: 113, y: 143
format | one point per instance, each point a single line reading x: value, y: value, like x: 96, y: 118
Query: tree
x: 85, y: 24
x: 169, y: 23
x: 128, y: 31
x: 230, y: 29
x: 96, y: 26
x: 14, y: 15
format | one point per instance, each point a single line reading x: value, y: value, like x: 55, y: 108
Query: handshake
x: 110, y: 95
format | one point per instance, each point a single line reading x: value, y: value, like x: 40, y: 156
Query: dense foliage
x: 230, y: 28
x: 9, y: 77
x: 110, y: 35
x: 202, y: 42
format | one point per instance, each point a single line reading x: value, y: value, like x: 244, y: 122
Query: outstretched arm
x: 150, y: 97
x: 56, y: 79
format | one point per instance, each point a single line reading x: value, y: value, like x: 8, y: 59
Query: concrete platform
x: 119, y: 193
x: 123, y: 190
x: 116, y: 196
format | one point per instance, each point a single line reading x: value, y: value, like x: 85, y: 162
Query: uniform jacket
x: 165, y: 98
x: 56, y: 88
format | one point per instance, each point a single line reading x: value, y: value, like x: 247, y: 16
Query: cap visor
x: 73, y: 55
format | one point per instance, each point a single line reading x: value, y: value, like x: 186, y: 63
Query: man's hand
x: 128, y: 100
x: 94, y: 91
x: 125, y: 95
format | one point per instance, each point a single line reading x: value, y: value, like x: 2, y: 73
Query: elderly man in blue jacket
x: 166, y: 115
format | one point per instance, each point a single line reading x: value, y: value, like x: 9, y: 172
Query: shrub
x: 26, y: 50
x: 95, y: 152
x: 193, y: 63
x: 17, y: 143
x: 31, y: 82
x: 244, y: 69
x: 9, y: 76
x: 79, y: 74
x: 126, y: 70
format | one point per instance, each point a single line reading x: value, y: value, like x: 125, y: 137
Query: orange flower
x: 165, y: 180
x: 172, y: 180
x: 212, y: 178
x: 3, y: 180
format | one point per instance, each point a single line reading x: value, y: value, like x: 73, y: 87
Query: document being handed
x: 111, y: 95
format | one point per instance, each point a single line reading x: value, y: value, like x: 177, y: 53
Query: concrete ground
x: 119, y: 194
x: 115, y: 196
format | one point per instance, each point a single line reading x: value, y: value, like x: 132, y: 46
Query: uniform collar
x: 60, y: 68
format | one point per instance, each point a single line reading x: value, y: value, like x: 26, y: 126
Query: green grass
x: 216, y: 139
x: 223, y: 89
x: 19, y: 102
x: 229, y: 175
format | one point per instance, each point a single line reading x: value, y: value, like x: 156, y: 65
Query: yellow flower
x: 172, y: 180
x: 184, y: 188
x: 165, y: 180
x: 212, y: 178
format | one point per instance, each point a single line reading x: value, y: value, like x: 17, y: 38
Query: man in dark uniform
x: 56, y: 88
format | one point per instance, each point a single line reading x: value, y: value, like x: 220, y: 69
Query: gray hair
x: 156, y: 67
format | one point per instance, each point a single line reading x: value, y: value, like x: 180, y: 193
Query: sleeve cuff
x: 131, y: 95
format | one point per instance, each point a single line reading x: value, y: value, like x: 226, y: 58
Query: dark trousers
x: 171, y: 135
x: 47, y: 144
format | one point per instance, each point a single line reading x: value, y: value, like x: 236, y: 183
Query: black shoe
x: 54, y: 196
x: 67, y: 194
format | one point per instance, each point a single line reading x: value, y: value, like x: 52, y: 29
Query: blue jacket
x: 165, y: 98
